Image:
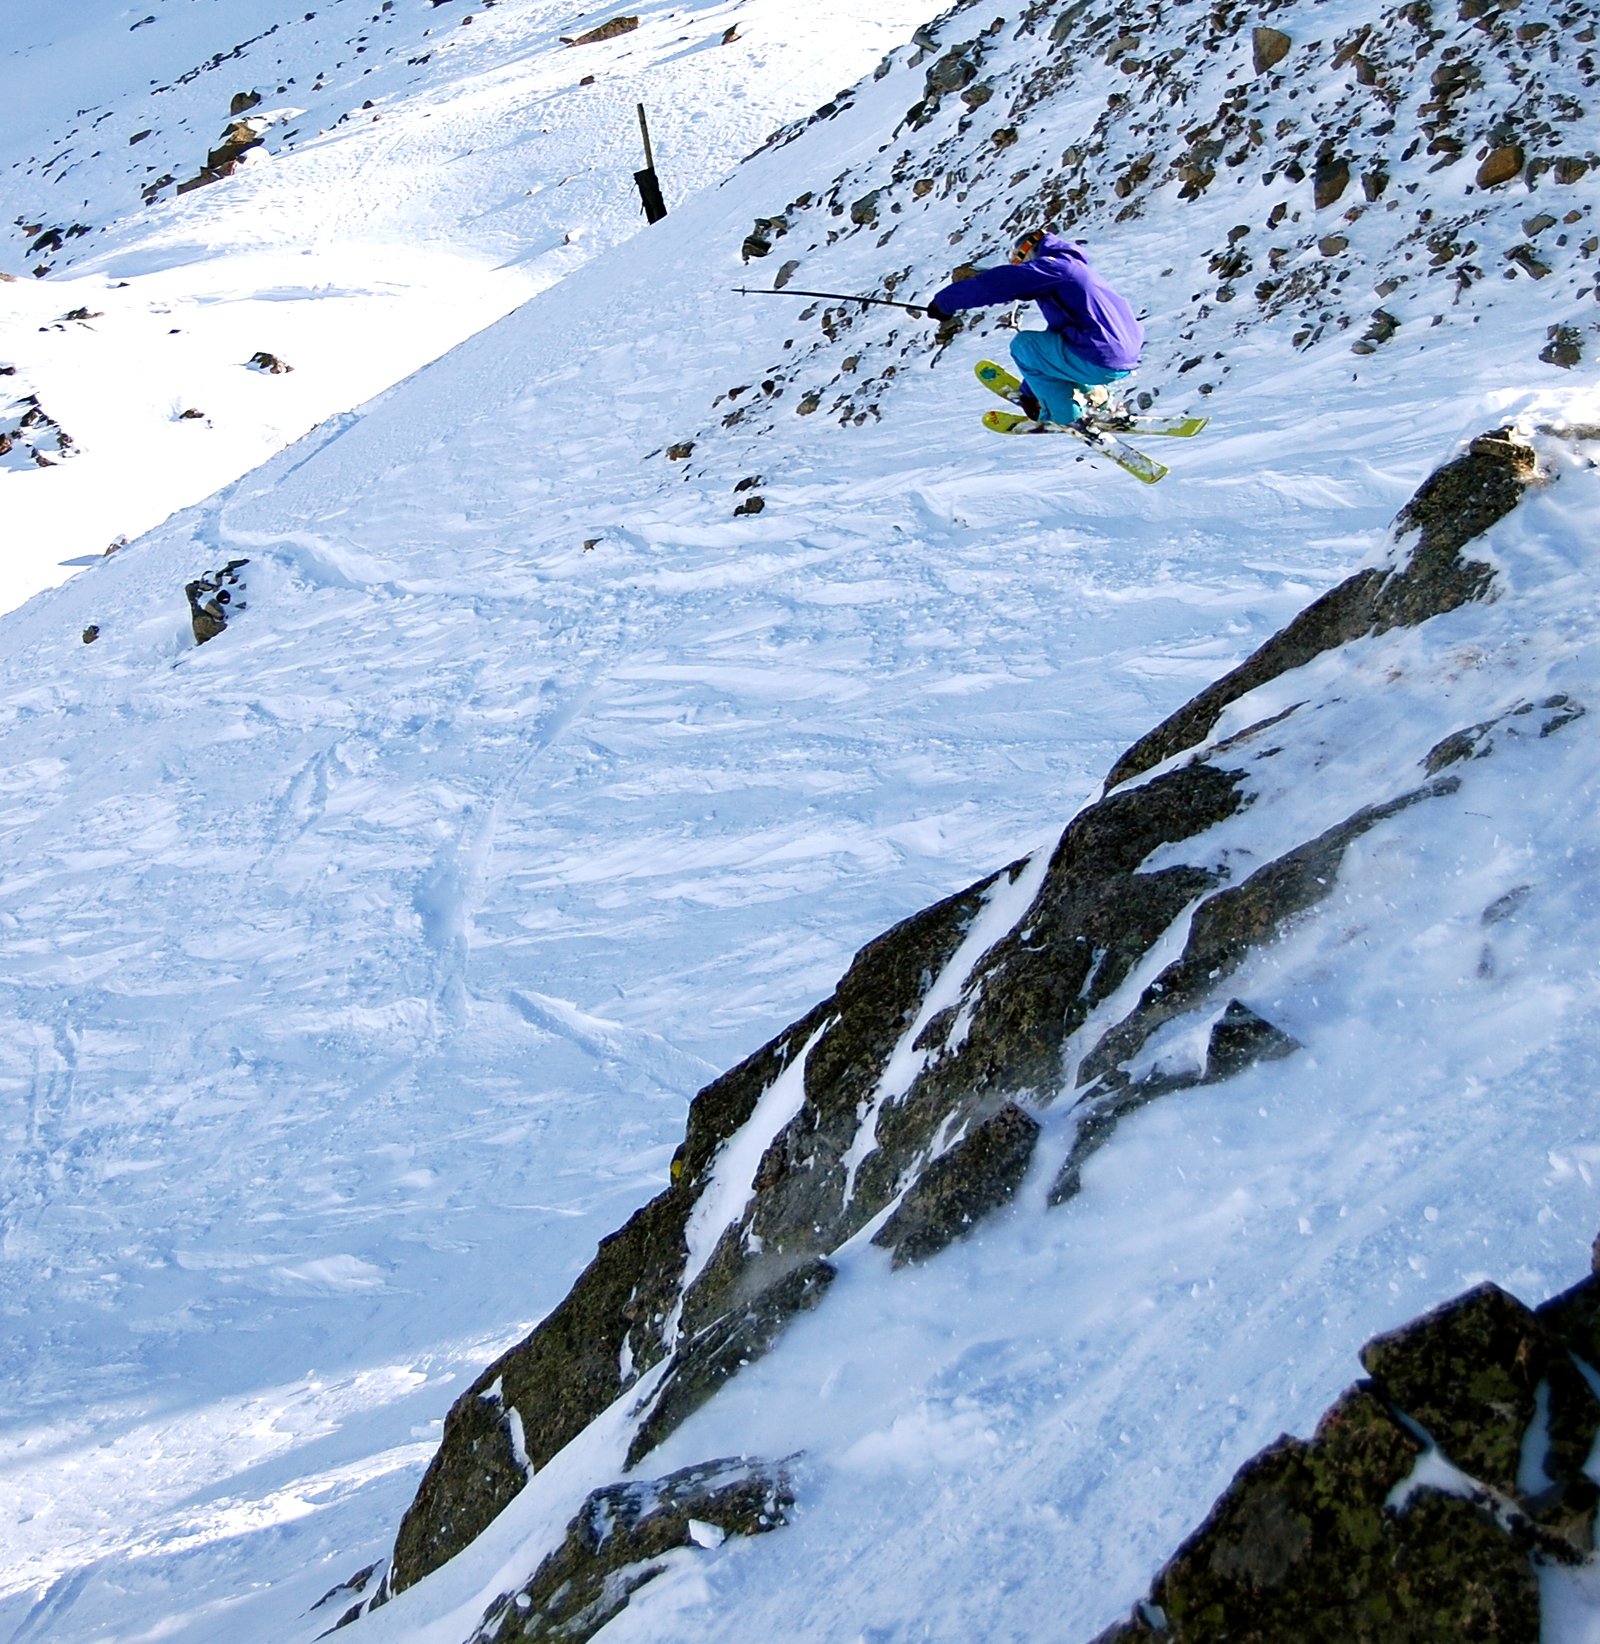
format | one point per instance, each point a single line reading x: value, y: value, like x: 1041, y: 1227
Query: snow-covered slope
x: 414, y: 171
x: 360, y: 963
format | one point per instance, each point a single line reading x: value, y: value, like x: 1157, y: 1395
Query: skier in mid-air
x: 1093, y: 336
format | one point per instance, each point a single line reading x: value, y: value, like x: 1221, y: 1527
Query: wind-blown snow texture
x: 359, y: 965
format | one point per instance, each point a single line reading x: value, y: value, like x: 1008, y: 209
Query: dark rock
x: 956, y: 69
x: 213, y: 599
x: 1302, y: 1545
x: 236, y: 141
x: 1469, y: 1373
x: 606, y: 31
x: 91, y: 633
x: 1268, y: 48
x: 1383, y: 327
x: 864, y: 213
x: 1330, y: 179
x: 558, y: 1380
x: 1500, y: 166
x: 356, y: 1586
x: 722, y: 1348
x: 1565, y: 347
x: 758, y: 242
x: 979, y: 1174
x: 619, y: 1539
x: 1475, y: 741
x: 1240, y: 1039
x: 261, y: 360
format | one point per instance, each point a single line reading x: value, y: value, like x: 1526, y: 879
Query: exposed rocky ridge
x: 622, y: 1538
x: 1459, y: 502
x: 903, y: 1107
x: 1346, y: 184
x: 1412, y: 1513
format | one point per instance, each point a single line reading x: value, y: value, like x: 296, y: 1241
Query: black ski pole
x: 839, y: 296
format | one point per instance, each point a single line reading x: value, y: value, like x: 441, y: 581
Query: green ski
x: 1136, y: 462
x: 1116, y: 418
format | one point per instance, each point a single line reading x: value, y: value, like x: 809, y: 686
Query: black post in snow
x: 655, y: 208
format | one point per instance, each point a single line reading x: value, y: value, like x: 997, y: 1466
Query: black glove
x: 937, y: 314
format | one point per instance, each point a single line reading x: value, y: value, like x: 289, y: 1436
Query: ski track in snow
x: 361, y: 963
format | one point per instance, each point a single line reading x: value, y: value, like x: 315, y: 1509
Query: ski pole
x: 841, y: 296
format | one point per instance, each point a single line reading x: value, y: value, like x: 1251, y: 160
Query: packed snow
x: 360, y: 964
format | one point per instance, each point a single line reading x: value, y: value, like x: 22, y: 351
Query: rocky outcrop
x: 911, y: 1099
x: 623, y: 1537
x: 237, y: 140
x: 1457, y: 503
x: 605, y: 31
x: 1346, y: 1538
x: 214, y: 599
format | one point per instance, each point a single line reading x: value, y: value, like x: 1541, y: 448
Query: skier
x: 1094, y: 337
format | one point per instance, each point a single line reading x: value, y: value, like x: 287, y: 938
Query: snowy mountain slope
x: 949, y: 1405
x: 412, y: 178
x: 361, y: 962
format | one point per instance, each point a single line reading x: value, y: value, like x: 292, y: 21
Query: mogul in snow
x: 1093, y: 337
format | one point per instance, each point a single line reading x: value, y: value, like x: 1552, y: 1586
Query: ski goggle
x: 1027, y: 245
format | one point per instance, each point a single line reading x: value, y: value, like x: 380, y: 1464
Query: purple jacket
x: 1093, y: 321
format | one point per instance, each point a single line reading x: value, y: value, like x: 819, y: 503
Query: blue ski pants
x: 1052, y: 371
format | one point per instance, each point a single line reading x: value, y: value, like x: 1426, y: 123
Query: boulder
x: 1268, y: 48
x: 1500, y: 165
x: 958, y: 1189
x: 621, y: 1538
